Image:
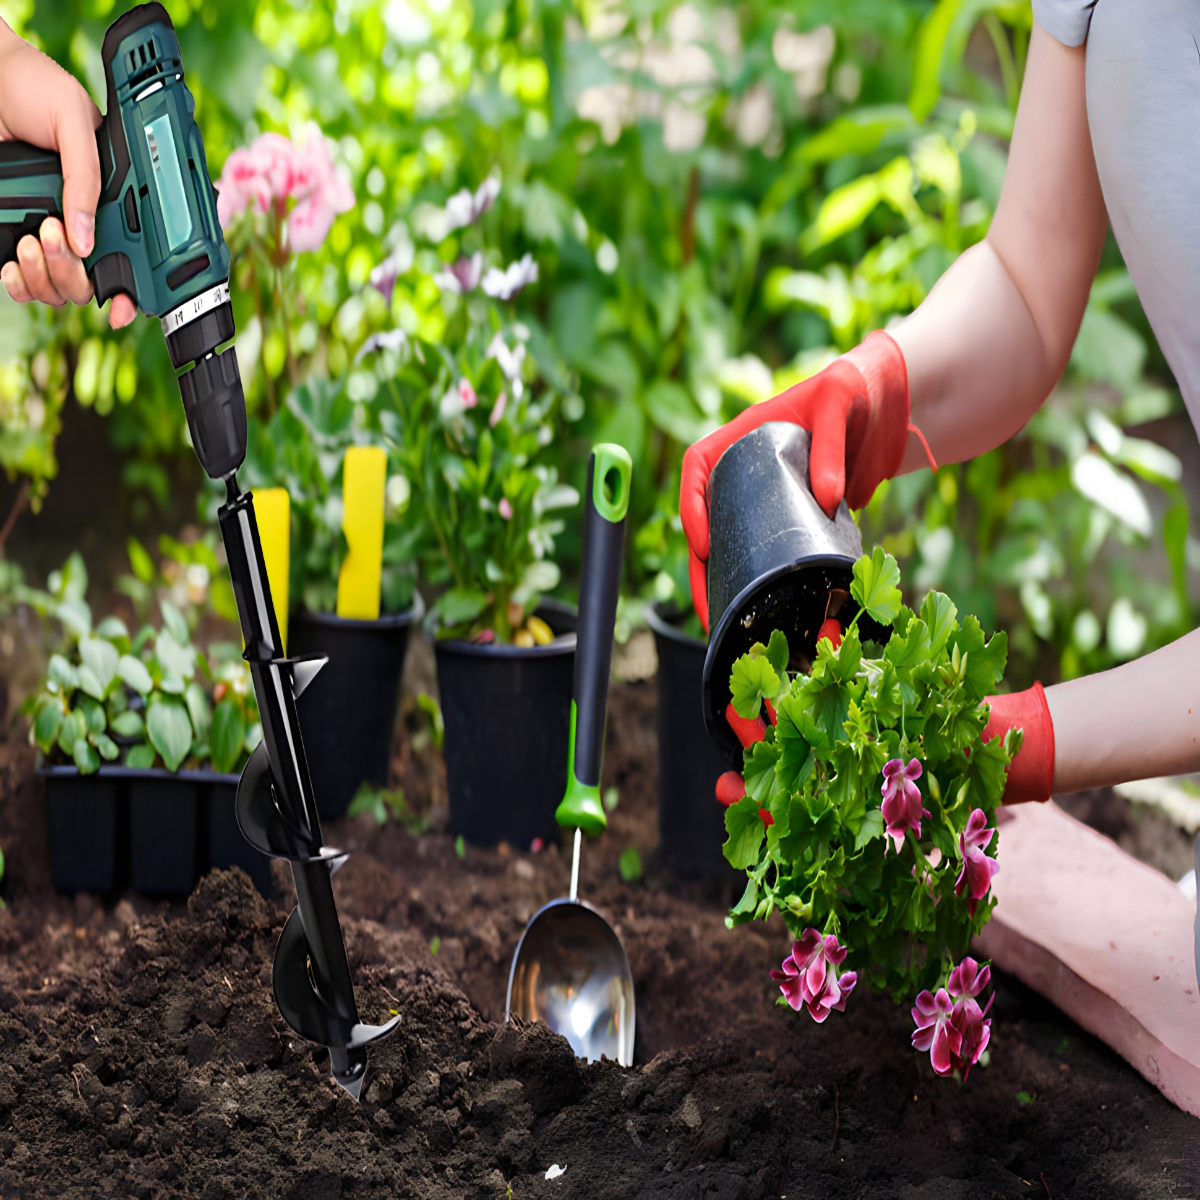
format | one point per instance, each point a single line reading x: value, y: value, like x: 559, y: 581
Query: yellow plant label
x: 364, y: 477
x: 273, y: 508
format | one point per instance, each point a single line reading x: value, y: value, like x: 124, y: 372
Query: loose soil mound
x: 141, y: 1053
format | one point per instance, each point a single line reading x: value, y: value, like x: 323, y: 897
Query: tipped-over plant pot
x: 348, y: 715
x: 506, y: 713
x: 774, y: 558
x: 691, y: 823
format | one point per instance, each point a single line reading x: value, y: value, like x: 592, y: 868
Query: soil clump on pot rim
x: 141, y: 1053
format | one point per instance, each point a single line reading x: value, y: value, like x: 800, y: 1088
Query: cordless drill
x: 158, y: 239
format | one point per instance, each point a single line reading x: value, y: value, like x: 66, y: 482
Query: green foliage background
x: 719, y: 199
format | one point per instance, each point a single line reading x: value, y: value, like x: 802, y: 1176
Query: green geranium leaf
x: 870, y: 829
x: 134, y: 674
x: 228, y: 735
x: 777, y: 652
x: 140, y: 758
x: 983, y: 662
x: 752, y: 680
x: 169, y: 729
x: 939, y: 613
x: 795, y: 753
x: 759, y: 772
x: 876, y: 586
x: 745, y: 829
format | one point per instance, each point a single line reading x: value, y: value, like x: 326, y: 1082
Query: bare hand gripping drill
x: 158, y: 239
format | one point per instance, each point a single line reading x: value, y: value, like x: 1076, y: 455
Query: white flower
x: 509, y: 361
x: 391, y: 339
x: 504, y: 285
x: 461, y: 276
x: 465, y: 208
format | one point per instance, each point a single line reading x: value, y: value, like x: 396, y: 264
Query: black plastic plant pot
x: 774, y: 557
x: 691, y: 823
x: 348, y: 713
x: 507, y: 720
x: 84, y: 821
x: 224, y: 845
x: 164, y: 819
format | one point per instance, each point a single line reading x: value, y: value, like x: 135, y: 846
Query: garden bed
x: 141, y: 1053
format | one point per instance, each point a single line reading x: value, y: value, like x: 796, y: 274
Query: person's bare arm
x: 992, y: 338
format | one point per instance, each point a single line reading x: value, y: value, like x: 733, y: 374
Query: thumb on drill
x: 75, y: 122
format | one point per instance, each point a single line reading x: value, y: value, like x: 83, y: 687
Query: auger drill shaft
x: 158, y: 240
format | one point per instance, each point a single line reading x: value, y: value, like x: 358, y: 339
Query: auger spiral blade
x: 278, y: 815
x: 265, y: 827
x: 313, y: 1017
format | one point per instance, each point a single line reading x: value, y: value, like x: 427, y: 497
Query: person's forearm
x: 990, y: 341
x: 978, y: 367
x: 1133, y: 722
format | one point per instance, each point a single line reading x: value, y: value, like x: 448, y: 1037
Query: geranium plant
x: 143, y: 701
x: 468, y: 422
x: 867, y: 813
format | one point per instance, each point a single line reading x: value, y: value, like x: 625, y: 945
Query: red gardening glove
x: 731, y: 787
x: 857, y: 412
x: 1031, y: 775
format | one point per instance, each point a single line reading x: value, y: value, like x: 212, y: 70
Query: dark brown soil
x: 141, y: 1053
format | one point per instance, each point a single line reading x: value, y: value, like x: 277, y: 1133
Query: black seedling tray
x: 157, y: 830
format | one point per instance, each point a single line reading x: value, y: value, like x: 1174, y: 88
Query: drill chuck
x: 216, y: 412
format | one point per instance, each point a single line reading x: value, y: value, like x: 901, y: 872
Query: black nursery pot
x: 348, y: 713
x: 84, y: 819
x: 164, y: 849
x: 507, y: 722
x: 773, y: 558
x: 691, y: 823
x: 224, y: 845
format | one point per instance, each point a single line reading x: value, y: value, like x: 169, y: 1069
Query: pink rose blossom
x: 505, y: 509
x: 935, y: 1031
x: 808, y: 979
x: 902, y: 809
x: 975, y: 877
x: 497, y: 413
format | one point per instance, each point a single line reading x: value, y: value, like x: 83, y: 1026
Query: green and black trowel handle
x: 606, y: 504
x: 158, y: 238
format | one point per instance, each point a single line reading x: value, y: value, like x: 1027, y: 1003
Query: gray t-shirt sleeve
x: 1065, y: 20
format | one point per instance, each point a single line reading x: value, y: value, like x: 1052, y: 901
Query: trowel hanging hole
x: 612, y: 485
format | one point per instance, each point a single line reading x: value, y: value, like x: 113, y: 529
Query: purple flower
x: 465, y: 207
x: 808, y: 979
x: 461, y: 276
x: 383, y: 277
x: 968, y: 978
x: 902, y: 809
x: 975, y: 877
x: 935, y: 1031
x: 504, y: 285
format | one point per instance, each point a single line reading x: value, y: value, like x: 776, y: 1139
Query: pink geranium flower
x: 461, y: 275
x: 935, y: 1031
x: 955, y: 1031
x: 975, y: 877
x: 808, y: 978
x: 902, y: 808
x: 497, y: 413
x: 505, y: 509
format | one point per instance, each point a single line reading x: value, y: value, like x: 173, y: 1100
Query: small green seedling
x: 630, y: 864
x: 612, y: 798
x: 460, y: 846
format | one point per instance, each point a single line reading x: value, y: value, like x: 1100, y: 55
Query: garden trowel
x: 570, y: 969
